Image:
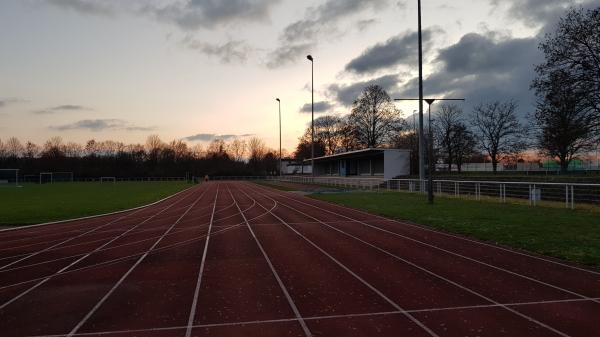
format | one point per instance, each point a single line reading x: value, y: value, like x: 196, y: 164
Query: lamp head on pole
x: 278, y: 100
x: 310, y: 58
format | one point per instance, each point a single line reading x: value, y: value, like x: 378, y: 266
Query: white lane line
x: 124, y: 258
x: 118, y: 283
x: 363, y: 281
x: 25, y: 292
x: 442, y: 249
x: 176, y: 231
x: 297, y: 314
x: 513, y: 251
x: 188, y: 332
x: 531, y: 319
x: 314, y: 318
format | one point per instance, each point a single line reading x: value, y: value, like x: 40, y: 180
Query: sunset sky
x: 200, y: 69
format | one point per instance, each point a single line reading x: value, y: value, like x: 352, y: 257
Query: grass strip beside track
x: 561, y: 233
x: 33, y: 203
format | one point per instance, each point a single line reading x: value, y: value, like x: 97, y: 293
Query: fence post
x: 572, y: 197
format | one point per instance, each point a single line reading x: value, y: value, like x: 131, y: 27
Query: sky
x: 197, y: 70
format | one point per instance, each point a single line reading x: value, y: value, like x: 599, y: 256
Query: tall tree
x: 328, y: 129
x: 572, y: 53
x: 565, y: 128
x: 374, y: 117
x: 498, y: 130
x: 463, y: 144
x: 446, y: 124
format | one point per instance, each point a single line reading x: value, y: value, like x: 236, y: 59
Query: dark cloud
x: 362, y: 25
x: 194, y: 14
x: 10, y: 101
x: 91, y: 7
x: 348, y: 93
x: 207, y: 137
x: 287, y: 54
x: 540, y: 13
x: 229, y: 52
x: 319, y: 22
x: 62, y: 108
x: 483, y: 68
x: 320, y: 107
x: 101, y: 125
x: 399, y: 49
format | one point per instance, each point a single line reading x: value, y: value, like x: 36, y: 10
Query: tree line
x: 154, y: 158
x: 564, y: 124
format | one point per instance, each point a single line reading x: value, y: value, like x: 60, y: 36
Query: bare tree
x: 238, y: 149
x: 53, y: 148
x: 13, y: 147
x: 31, y: 150
x: 374, y: 117
x: 572, y: 53
x: 73, y: 150
x: 565, y: 128
x: 154, y: 145
x: 498, y: 130
x: 328, y: 129
x: 446, y: 124
x: 257, y: 148
x: 463, y: 144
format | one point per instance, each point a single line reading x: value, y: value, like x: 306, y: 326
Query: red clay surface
x: 238, y: 259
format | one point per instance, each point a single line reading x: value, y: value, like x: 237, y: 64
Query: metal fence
x: 568, y: 195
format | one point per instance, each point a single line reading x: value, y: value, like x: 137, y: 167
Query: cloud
x: 483, y: 68
x: 102, y: 125
x: 287, y: 54
x: 320, y: 107
x: 208, y: 14
x: 540, y: 13
x: 229, y: 52
x: 399, y: 49
x: 207, y: 137
x: 346, y: 94
x: 62, y: 108
x: 363, y: 25
x: 90, y: 7
x: 319, y: 22
x: 10, y: 101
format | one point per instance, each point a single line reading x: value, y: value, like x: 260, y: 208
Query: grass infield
x: 33, y: 203
x: 561, y: 233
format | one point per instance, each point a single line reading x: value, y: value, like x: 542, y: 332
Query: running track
x: 238, y: 259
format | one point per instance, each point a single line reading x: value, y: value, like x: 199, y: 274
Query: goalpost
x: 108, y: 179
x: 62, y: 177
x: 46, y: 178
x: 9, y: 177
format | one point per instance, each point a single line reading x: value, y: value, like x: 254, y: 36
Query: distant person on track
x: 206, y: 178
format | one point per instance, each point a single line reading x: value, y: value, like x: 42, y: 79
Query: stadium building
x: 380, y: 163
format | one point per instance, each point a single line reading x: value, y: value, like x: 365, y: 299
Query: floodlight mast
x: 421, y: 139
x: 312, y: 110
x: 280, y: 167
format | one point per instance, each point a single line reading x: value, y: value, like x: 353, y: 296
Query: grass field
x: 561, y: 233
x: 35, y: 203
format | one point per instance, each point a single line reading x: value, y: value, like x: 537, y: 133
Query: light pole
x: 279, y: 103
x: 421, y: 138
x: 312, y: 114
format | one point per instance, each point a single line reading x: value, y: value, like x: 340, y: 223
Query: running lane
x: 351, y: 235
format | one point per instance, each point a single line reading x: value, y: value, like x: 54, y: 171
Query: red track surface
x: 236, y: 259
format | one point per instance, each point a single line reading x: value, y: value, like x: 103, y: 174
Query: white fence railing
x: 525, y: 192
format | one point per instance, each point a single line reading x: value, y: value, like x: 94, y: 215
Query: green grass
x: 34, y: 203
x: 566, y: 234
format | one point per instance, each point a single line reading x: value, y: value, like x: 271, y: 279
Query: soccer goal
x: 9, y: 177
x: 62, y: 177
x: 46, y: 178
x: 108, y: 180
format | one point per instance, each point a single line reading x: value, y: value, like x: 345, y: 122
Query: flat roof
x: 357, y: 152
